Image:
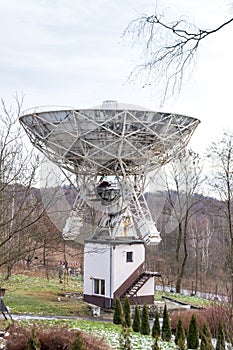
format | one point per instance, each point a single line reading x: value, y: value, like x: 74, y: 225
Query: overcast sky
x: 71, y: 53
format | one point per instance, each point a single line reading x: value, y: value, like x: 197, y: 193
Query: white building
x: 116, y: 268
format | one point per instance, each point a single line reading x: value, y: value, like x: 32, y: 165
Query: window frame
x: 129, y: 256
x: 99, y: 286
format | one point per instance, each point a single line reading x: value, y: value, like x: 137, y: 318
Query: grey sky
x: 70, y: 52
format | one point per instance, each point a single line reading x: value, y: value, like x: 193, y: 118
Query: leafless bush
x: 51, y: 338
x: 55, y: 338
x: 97, y: 344
x: 212, y: 315
x: 17, y: 338
x: 186, y: 317
x: 220, y: 312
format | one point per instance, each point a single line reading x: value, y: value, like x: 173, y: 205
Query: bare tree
x: 20, y: 205
x: 221, y: 157
x: 26, y: 229
x: 169, y: 48
x: 201, y: 232
x: 182, y: 183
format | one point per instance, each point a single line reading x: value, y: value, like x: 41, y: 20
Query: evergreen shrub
x: 206, y: 338
x: 136, y: 320
x: 127, y: 313
x: 145, y: 322
x: 166, y: 328
x: 156, y: 326
x: 220, y: 344
x: 180, y: 335
x: 117, y: 316
x: 193, y: 334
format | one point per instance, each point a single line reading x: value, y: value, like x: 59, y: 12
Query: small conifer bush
x: 220, y: 344
x: 77, y: 343
x: 136, y: 320
x: 206, y: 343
x: 156, y: 326
x: 166, y: 328
x: 33, y: 341
x: 125, y: 337
x: 145, y: 322
x: 193, y: 334
x: 180, y: 335
x: 117, y: 316
x: 155, y: 345
x: 126, y: 310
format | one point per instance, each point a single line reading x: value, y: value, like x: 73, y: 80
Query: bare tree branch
x: 169, y: 49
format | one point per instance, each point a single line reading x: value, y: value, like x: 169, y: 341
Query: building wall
x: 123, y: 269
x: 148, y: 288
x: 96, y: 266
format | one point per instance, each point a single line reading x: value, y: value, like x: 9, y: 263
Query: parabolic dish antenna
x: 110, y: 148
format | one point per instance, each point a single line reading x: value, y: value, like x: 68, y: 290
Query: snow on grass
x: 111, y: 334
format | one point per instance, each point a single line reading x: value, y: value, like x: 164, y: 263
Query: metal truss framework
x: 116, y: 146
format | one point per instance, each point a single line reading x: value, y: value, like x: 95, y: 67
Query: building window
x: 129, y: 256
x: 99, y: 286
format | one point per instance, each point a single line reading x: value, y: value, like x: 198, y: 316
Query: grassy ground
x: 37, y: 295
x: 192, y: 300
x: 25, y: 294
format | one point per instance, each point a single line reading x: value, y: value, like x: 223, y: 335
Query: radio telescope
x: 110, y: 148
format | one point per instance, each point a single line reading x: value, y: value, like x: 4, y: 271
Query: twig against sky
x: 169, y: 50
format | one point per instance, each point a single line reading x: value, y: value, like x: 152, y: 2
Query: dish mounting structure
x: 110, y: 148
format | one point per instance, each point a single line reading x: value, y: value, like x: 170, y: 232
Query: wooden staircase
x: 137, y: 284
